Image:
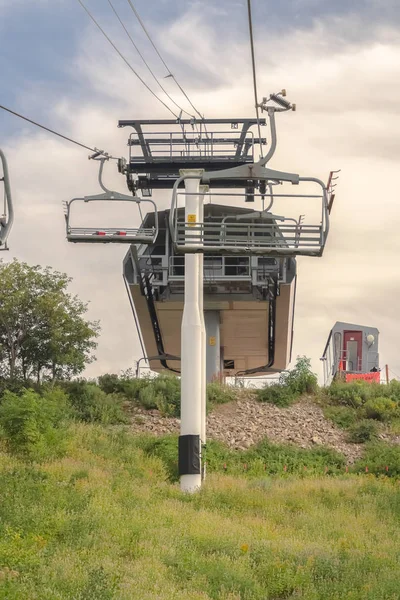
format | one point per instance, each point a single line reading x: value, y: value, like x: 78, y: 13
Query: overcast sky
x: 340, y: 62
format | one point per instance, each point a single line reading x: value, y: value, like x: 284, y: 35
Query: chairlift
x: 7, y: 215
x: 118, y: 235
x: 262, y: 232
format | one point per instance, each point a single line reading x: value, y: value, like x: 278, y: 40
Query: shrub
x: 300, y: 379
x: 378, y: 456
x: 382, y: 409
x: 342, y: 416
x: 165, y: 448
x: 362, y: 431
x: 92, y: 405
x: 393, y: 390
x: 350, y: 394
x: 292, y: 384
x: 277, y: 394
x: 218, y: 393
x: 125, y: 385
x: 34, y: 425
x: 110, y: 384
x: 162, y: 392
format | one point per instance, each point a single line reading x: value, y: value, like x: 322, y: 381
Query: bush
x: 162, y: 392
x: 110, y: 384
x: 125, y: 385
x: 277, y: 394
x: 218, y: 393
x: 342, y: 416
x: 300, y: 379
x: 382, y: 409
x: 362, y: 431
x: 292, y: 384
x: 92, y: 405
x: 350, y: 394
x: 34, y: 425
x: 378, y: 456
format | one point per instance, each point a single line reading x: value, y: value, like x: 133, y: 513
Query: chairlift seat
x: 116, y: 235
x: 255, y: 233
x: 111, y: 235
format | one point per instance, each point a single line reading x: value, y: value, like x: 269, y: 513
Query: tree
x: 43, y: 332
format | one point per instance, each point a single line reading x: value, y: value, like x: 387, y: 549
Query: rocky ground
x: 245, y: 422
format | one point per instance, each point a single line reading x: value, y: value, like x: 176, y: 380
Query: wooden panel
x: 244, y: 328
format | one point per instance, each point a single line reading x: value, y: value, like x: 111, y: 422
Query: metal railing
x: 215, y: 267
x: 214, y: 144
x: 258, y: 233
x: 286, y: 238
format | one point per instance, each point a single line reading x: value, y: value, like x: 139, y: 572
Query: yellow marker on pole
x: 212, y: 341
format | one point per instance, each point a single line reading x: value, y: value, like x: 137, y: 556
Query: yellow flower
x: 244, y: 548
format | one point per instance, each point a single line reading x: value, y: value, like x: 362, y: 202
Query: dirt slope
x: 245, y: 422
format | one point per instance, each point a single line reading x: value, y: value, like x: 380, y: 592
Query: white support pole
x: 203, y: 435
x: 191, y: 352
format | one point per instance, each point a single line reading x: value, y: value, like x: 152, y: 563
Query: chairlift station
x: 212, y: 278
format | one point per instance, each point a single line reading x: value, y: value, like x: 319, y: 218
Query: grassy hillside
x: 104, y: 522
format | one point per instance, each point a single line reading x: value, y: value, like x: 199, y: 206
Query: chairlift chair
x: 7, y: 215
x: 260, y: 232
x: 118, y: 235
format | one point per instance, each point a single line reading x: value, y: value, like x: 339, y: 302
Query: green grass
x: 103, y: 522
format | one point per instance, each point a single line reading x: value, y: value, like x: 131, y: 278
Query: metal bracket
x: 7, y: 219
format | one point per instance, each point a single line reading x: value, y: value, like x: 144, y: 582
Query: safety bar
x: 6, y: 220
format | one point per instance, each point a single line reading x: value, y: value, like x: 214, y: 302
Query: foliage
x: 43, y: 332
x: 381, y: 459
x: 92, y: 405
x: 362, y: 431
x: 161, y: 392
x: 277, y: 394
x: 342, y: 416
x: 292, y: 384
x: 102, y: 523
x: 350, y: 404
x: 382, y: 409
x: 219, y: 393
x: 357, y: 393
x: 124, y: 384
x: 300, y: 379
x: 34, y: 425
x: 260, y: 460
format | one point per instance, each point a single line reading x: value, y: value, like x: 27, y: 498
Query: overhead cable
x: 145, y: 62
x: 253, y: 62
x: 124, y: 59
x: 162, y: 59
x: 64, y: 137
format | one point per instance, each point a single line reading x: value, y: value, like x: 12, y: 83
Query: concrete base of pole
x: 190, y: 483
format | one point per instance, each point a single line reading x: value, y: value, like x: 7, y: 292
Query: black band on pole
x: 189, y: 455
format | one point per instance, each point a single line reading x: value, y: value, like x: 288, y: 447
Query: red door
x: 352, y: 350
